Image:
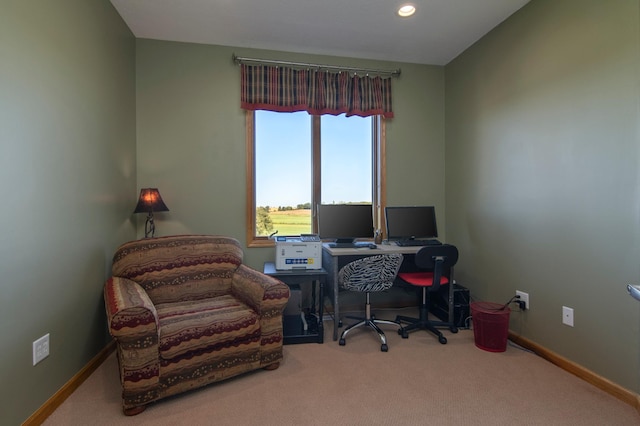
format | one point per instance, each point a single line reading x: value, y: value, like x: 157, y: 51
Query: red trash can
x: 490, y: 325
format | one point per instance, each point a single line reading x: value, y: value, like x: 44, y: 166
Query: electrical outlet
x: 40, y: 349
x: 567, y: 316
x: 524, y: 297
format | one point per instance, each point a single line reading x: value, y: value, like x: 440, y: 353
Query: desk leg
x: 336, y: 308
x: 452, y: 325
x: 451, y: 285
x: 330, y: 264
x: 312, y: 309
x: 320, y: 311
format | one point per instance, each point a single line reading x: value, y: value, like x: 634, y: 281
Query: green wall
x: 191, y: 136
x: 541, y: 182
x: 542, y: 178
x: 67, y: 185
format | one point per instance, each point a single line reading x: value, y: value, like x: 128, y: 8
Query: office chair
x: 369, y: 274
x: 436, y: 268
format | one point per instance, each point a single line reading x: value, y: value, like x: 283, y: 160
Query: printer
x: 298, y: 252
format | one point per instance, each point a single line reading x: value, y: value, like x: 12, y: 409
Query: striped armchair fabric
x: 185, y: 312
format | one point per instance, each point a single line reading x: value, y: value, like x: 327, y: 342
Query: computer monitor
x: 411, y: 222
x: 344, y: 223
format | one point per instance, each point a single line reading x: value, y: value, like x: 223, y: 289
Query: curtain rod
x: 243, y: 60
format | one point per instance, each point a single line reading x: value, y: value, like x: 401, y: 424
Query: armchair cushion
x: 196, y: 325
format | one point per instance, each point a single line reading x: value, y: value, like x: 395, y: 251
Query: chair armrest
x: 260, y: 291
x: 129, y: 309
x: 133, y: 323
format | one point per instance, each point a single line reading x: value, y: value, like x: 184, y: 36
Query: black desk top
x: 270, y: 269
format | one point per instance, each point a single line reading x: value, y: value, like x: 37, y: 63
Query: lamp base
x: 149, y: 226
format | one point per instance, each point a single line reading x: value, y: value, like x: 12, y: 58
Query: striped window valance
x: 286, y: 89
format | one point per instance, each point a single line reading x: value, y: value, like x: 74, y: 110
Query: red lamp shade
x: 150, y: 201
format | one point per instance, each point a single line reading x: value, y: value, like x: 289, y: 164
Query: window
x: 295, y: 161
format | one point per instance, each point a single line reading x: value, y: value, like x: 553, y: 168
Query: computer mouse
x: 373, y: 246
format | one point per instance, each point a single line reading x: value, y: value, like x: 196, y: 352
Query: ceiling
x: 370, y: 29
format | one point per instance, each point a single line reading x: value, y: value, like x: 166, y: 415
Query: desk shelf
x: 294, y: 332
x: 293, y: 325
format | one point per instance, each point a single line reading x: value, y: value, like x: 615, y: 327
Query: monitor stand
x: 343, y: 243
x: 349, y: 243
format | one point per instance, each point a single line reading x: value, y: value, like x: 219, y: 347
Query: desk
x: 333, y: 259
x: 293, y: 326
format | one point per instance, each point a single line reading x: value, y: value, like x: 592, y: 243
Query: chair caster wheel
x: 454, y: 329
x: 403, y: 333
x: 384, y: 348
x: 442, y: 340
x: 340, y: 324
x: 342, y: 342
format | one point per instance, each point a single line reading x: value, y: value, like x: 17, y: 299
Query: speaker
x: 461, y: 299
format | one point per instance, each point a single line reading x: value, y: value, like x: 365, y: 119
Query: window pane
x: 346, y: 159
x: 283, y: 173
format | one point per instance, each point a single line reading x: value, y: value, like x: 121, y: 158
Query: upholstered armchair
x: 185, y: 312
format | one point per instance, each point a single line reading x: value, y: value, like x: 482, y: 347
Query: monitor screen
x: 413, y: 222
x: 345, y: 222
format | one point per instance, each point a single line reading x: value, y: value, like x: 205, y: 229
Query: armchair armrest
x: 133, y: 323
x: 129, y: 309
x: 260, y: 291
x: 267, y: 296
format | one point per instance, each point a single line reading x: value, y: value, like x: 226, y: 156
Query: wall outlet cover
x: 567, y: 316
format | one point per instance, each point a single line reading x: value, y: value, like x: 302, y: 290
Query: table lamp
x: 150, y: 201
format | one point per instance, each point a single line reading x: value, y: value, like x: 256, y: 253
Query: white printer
x: 293, y: 252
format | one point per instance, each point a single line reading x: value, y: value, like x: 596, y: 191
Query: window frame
x: 378, y: 182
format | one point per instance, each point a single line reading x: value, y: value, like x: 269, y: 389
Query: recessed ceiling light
x: 406, y: 10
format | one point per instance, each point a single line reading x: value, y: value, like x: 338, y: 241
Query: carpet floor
x: 417, y: 382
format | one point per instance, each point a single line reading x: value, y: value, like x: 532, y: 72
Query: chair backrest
x: 437, y: 258
x: 180, y: 267
x: 372, y: 273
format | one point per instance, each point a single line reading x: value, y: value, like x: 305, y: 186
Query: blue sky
x: 283, y: 157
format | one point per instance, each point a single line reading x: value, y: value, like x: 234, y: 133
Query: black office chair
x: 436, y: 268
x: 369, y: 274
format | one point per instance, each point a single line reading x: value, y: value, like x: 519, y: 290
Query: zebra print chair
x: 369, y: 274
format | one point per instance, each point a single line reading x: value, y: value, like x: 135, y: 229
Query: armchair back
x: 180, y: 267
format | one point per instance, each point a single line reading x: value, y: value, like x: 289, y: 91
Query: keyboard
x: 358, y: 244
x: 418, y: 243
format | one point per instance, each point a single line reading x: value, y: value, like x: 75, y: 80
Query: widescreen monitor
x: 345, y: 223
x: 411, y: 222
